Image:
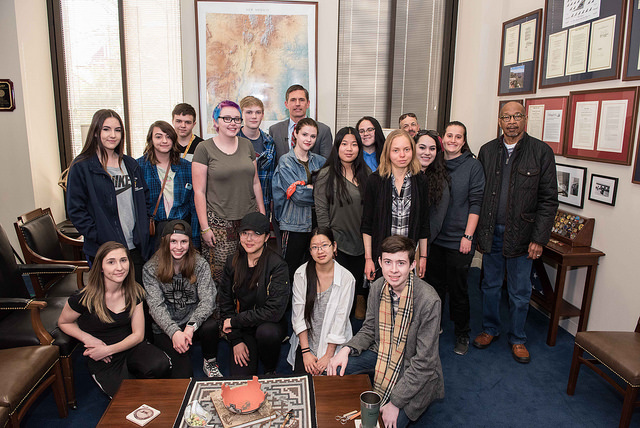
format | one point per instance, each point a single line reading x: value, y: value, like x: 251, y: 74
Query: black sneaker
x: 211, y: 369
x: 462, y: 345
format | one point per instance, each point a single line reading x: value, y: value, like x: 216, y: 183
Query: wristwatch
x: 469, y: 237
x: 193, y: 324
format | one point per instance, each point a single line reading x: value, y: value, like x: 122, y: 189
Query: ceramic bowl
x: 243, y: 399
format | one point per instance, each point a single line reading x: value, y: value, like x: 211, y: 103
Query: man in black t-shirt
x: 183, y: 119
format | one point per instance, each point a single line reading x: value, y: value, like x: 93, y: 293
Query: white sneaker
x: 211, y: 369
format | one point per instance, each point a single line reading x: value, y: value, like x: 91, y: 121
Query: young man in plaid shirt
x: 252, y: 114
x: 398, y: 342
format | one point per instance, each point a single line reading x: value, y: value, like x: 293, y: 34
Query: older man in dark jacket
x: 520, y: 202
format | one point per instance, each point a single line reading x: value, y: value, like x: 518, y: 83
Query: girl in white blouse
x: 322, y: 298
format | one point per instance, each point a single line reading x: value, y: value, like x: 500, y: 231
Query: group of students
x: 333, y: 214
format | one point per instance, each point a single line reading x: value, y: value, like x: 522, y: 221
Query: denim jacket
x: 294, y: 214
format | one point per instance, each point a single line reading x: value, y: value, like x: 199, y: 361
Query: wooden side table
x: 551, y: 299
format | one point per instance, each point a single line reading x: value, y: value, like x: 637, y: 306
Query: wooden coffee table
x: 335, y: 395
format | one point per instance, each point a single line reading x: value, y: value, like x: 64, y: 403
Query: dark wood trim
x: 123, y: 73
x: 448, y: 60
x: 387, y: 122
x: 58, y: 70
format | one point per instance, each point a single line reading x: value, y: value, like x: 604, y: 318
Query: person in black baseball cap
x: 181, y: 296
x: 254, y: 293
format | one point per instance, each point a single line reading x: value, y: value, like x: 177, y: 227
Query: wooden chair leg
x: 630, y: 396
x: 575, y: 369
x: 67, y: 371
x: 58, y: 391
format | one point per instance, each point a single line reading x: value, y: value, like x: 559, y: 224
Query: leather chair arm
x: 29, y: 269
x: 34, y: 306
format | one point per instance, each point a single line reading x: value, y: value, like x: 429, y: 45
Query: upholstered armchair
x: 41, y: 244
x: 27, y: 371
x: 619, y: 351
x: 16, y: 322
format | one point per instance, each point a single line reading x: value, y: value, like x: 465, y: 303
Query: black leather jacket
x: 271, y: 300
x: 532, y: 198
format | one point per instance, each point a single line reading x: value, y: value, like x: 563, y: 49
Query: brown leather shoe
x: 361, y: 307
x: 483, y: 340
x: 520, y: 353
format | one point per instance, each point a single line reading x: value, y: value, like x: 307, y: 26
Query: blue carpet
x: 485, y: 388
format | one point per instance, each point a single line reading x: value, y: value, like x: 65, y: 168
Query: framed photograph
x: 257, y: 48
x: 601, y: 125
x: 632, y: 50
x: 603, y: 189
x: 500, y: 105
x: 7, y: 97
x: 546, y: 120
x: 582, y: 41
x: 571, y: 184
x: 519, y: 54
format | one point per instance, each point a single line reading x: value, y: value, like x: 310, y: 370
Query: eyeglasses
x: 367, y: 131
x: 507, y: 117
x: 250, y: 234
x: 229, y: 119
x: 322, y: 247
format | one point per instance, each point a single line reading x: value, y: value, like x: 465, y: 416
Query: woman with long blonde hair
x: 107, y: 317
x: 396, y: 202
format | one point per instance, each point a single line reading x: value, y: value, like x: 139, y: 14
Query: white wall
x: 616, y: 298
x: 327, y: 61
x: 28, y: 136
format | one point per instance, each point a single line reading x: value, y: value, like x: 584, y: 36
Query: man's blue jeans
x: 518, y: 286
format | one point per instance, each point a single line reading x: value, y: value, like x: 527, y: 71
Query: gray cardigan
x: 172, y: 305
x: 420, y: 381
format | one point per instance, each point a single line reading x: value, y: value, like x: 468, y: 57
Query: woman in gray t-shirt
x: 226, y: 186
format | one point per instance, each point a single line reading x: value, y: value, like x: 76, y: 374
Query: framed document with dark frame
x: 635, y: 178
x: 500, y: 105
x: 603, y: 189
x: 601, y: 125
x: 632, y: 50
x: 582, y: 41
x: 259, y: 48
x: 546, y: 120
x: 571, y: 183
x: 519, y: 54
x: 7, y: 96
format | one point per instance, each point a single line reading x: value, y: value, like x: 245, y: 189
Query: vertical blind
x: 95, y: 63
x: 389, y: 60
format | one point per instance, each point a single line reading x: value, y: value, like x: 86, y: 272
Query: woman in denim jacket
x: 293, y: 193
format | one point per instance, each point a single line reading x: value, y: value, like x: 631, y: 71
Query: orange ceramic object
x: 243, y: 399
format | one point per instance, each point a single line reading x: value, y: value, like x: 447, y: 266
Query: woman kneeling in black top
x: 253, y: 298
x: 107, y: 317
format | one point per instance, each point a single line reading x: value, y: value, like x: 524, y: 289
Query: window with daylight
x: 123, y: 55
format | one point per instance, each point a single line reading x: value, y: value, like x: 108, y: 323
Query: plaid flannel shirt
x: 401, y: 206
x: 183, y: 204
x: 266, y: 162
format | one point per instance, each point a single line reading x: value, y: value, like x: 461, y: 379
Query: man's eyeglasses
x: 229, y: 119
x: 507, y: 117
x: 367, y: 131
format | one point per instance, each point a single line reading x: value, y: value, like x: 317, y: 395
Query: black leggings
x: 264, y: 343
x: 181, y: 367
x: 447, y: 270
x: 296, y: 250
x: 355, y: 265
x: 144, y: 361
